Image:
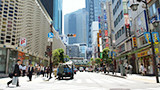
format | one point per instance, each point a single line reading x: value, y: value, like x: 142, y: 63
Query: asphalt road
x: 81, y: 81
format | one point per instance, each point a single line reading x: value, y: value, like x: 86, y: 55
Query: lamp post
x: 134, y: 7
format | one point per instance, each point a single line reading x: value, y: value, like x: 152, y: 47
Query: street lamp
x: 155, y: 23
x: 134, y: 7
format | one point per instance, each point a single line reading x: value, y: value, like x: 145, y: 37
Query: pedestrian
x: 23, y: 70
x: 16, y: 74
x: 42, y: 70
x: 142, y: 69
x: 30, y: 72
x: 105, y: 69
x: 159, y: 67
x: 39, y: 70
x: 130, y: 69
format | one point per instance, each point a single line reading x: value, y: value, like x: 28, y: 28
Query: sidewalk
x: 135, y: 77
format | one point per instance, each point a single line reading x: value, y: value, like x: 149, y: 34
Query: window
x: 152, y: 10
x: 5, y: 12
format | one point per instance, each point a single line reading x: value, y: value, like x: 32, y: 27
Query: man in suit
x: 16, y: 73
x: 30, y: 72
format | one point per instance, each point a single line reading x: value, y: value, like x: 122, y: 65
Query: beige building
x: 24, y: 19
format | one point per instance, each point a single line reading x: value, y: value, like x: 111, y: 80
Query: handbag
x: 10, y: 75
x: 14, y: 80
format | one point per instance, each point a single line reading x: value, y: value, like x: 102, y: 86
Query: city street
x: 81, y: 81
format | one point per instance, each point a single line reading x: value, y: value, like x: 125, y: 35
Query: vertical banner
x: 134, y: 42
x: 155, y: 37
x: 147, y: 37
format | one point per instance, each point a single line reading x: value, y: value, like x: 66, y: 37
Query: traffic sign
x: 50, y: 35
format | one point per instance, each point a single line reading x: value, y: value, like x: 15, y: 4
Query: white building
x: 94, y: 31
x: 24, y: 19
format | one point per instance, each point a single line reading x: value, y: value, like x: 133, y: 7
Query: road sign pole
x: 50, y: 55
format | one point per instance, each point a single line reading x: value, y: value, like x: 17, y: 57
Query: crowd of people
x: 23, y: 70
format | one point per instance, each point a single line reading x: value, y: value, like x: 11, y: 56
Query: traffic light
x: 48, y: 49
x: 71, y: 35
x: 46, y: 54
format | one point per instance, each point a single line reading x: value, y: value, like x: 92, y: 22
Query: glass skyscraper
x: 54, y: 9
x: 57, y: 15
x: 93, y: 8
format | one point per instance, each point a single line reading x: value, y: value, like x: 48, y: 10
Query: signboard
x: 141, y: 25
x: 155, y: 37
x: 23, y: 42
x: 106, y: 32
x: 158, y: 13
x: 100, y: 35
x: 134, y: 42
x: 50, y: 39
x: 126, y: 18
x: 50, y: 35
x: 156, y: 50
x: 21, y: 55
x: 142, y: 54
x: 101, y: 55
x: 147, y: 37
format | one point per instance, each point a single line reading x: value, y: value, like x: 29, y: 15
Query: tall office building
x: 54, y: 9
x: 75, y: 23
x: 24, y: 25
x: 93, y: 8
x: 48, y: 4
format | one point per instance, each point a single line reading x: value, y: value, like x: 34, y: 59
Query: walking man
x: 30, y: 72
x: 16, y: 73
x: 23, y: 70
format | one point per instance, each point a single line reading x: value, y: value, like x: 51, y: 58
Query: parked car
x: 86, y: 69
x: 75, y: 70
x: 65, y: 70
x: 81, y: 69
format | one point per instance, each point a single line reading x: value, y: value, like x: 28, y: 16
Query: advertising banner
x: 141, y: 25
x: 155, y: 37
x: 23, y: 42
x: 147, y: 37
x: 134, y: 42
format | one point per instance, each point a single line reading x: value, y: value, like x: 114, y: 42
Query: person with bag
x: 16, y: 74
x: 30, y: 72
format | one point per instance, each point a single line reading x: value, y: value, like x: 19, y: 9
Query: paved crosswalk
x: 95, y: 80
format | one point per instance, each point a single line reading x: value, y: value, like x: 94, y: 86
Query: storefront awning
x: 133, y: 52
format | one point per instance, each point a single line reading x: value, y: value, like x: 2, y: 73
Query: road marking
x: 78, y: 81
x: 89, y: 81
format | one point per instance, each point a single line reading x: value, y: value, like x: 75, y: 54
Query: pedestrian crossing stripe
x: 110, y: 81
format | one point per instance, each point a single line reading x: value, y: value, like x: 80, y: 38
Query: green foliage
x: 58, y: 56
x: 91, y: 59
x: 105, y: 56
x: 97, y: 60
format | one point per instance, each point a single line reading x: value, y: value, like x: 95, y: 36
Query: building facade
x: 93, y: 8
x: 75, y: 23
x: 24, y: 25
x: 54, y: 9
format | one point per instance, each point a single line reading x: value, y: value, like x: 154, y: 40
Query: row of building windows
x: 120, y: 33
x: 118, y: 19
x: 117, y: 6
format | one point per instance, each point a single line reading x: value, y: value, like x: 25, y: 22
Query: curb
x: 116, y: 76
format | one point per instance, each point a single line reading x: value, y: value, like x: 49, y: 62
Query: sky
x: 71, y: 6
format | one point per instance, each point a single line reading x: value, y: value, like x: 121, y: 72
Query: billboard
x: 141, y: 23
x: 23, y: 41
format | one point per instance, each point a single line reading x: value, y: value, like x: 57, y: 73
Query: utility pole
x: 50, y: 54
